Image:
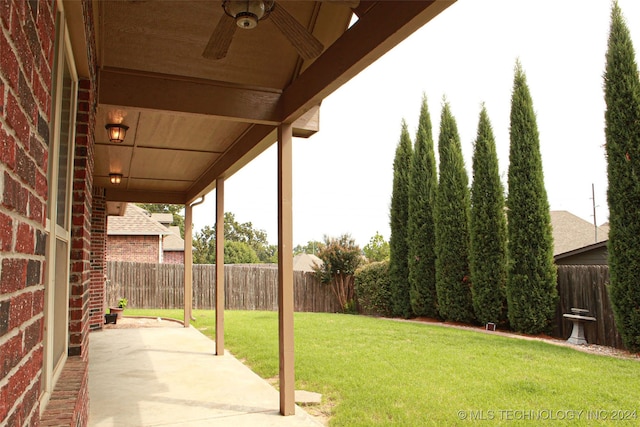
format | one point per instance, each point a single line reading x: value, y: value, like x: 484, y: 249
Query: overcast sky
x: 343, y: 175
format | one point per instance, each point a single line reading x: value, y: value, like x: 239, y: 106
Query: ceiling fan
x: 246, y: 14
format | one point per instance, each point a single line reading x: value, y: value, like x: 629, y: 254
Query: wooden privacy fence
x: 255, y: 287
x: 247, y: 287
x: 586, y: 286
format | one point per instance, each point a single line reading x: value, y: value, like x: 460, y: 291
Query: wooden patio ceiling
x: 194, y: 119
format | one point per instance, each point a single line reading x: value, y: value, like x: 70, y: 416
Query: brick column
x: 97, y: 291
x: 81, y: 221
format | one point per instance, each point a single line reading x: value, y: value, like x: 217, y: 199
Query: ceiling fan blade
x: 220, y: 38
x: 305, y: 43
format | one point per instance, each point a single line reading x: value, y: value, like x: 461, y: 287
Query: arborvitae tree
x: 531, y: 279
x: 423, y: 183
x: 622, y: 121
x: 398, y: 264
x: 488, y: 229
x: 453, y: 282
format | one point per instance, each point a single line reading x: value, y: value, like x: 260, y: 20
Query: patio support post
x: 188, y: 264
x: 285, y: 270
x: 220, y: 266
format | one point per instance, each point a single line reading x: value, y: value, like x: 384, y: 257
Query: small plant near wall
x: 122, y: 303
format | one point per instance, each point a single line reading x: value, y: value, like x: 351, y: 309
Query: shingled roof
x: 571, y: 232
x: 173, y: 242
x: 135, y: 222
x: 305, y: 262
x: 165, y: 219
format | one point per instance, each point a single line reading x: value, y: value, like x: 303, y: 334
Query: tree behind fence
x: 247, y: 287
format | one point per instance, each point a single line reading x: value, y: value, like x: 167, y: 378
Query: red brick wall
x: 97, y: 292
x: 26, y: 56
x: 173, y: 257
x: 133, y: 248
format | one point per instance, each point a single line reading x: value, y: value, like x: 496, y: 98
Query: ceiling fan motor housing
x: 246, y: 20
x: 247, y: 13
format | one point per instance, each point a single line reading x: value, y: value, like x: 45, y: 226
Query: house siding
x: 173, y: 257
x: 27, y: 33
x: 133, y: 248
x: 596, y: 256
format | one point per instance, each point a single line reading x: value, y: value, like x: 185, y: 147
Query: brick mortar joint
x: 8, y: 337
x: 17, y: 331
x: 32, y: 191
x: 21, y: 256
x: 26, y: 290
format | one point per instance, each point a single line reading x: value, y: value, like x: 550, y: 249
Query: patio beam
x: 246, y: 148
x: 188, y: 264
x: 382, y: 26
x: 220, y: 266
x: 132, y: 88
x: 285, y: 270
x: 138, y: 196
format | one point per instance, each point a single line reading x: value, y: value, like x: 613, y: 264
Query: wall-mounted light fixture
x: 116, y: 132
x: 115, y: 178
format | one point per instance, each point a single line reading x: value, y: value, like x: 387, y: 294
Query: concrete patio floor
x: 170, y: 376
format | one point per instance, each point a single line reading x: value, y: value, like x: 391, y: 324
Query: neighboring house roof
x: 571, y: 232
x: 578, y: 251
x: 305, y: 262
x: 165, y: 219
x: 173, y: 242
x: 135, y: 222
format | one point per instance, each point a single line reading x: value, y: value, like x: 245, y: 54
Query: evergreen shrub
x: 373, y: 289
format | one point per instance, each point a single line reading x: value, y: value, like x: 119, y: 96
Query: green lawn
x: 381, y: 372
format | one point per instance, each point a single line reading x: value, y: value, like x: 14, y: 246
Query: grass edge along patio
x: 376, y: 371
